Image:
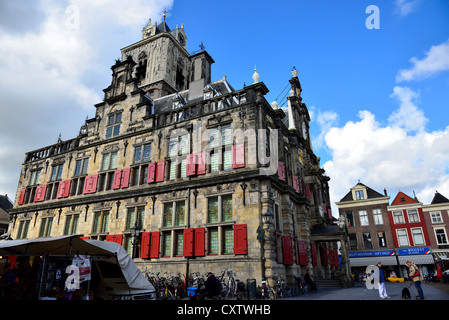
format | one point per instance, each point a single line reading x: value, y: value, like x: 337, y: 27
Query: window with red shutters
x: 201, y: 159
x: 160, y: 171
x: 199, y: 242
x: 21, y: 196
x: 238, y: 156
x: 63, y: 189
x: 281, y: 170
x: 40, y: 193
x: 191, y: 164
x: 188, y: 243
x: 240, y: 239
x: 154, y: 244
x: 90, y: 184
x: 145, y: 245
x: 121, y: 178
x: 151, y: 172
x: 287, y: 250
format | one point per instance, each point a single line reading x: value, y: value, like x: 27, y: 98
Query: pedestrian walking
x: 309, y: 281
x: 381, y: 275
x: 415, y: 276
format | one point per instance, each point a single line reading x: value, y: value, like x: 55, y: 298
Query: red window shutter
x: 154, y: 244
x: 21, y: 196
x: 238, y: 156
x: 90, y: 184
x: 308, y: 192
x: 40, y: 193
x: 151, y: 172
x: 145, y: 245
x: 201, y: 159
x: 240, y: 239
x: 281, y: 170
x: 188, y: 243
x: 302, y: 253
x: 117, y: 179
x: 337, y: 261
x: 199, y: 242
x: 85, y: 238
x: 314, y: 261
x: 324, y: 262
x: 125, y: 177
x: 296, y: 183
x: 63, y: 189
x: 160, y: 171
x: 117, y: 238
x: 287, y: 250
x: 191, y: 164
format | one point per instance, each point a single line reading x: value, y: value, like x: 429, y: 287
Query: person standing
x: 309, y: 281
x: 382, y: 289
x: 416, y: 276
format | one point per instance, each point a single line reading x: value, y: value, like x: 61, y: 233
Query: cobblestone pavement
x: 434, y: 291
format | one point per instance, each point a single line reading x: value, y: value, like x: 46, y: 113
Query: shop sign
x: 411, y: 251
x: 362, y: 254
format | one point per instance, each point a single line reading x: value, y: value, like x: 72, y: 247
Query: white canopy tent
x: 69, y: 246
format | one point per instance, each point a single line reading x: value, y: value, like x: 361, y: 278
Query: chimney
x: 385, y: 192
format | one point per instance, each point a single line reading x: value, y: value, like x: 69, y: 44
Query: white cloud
x: 408, y: 116
x: 325, y: 121
x: 53, y: 72
x: 405, y: 7
x: 389, y: 156
x: 436, y: 60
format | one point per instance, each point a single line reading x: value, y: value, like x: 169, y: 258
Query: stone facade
x: 195, y: 164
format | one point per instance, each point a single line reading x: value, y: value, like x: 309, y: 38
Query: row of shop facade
x: 392, y: 233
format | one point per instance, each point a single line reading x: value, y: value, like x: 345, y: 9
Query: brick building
x: 213, y: 177
x: 366, y: 215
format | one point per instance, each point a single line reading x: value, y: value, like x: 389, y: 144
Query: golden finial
x: 165, y: 14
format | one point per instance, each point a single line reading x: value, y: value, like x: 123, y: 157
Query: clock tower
x: 162, y: 61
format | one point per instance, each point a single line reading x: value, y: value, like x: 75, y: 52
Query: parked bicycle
x: 233, y: 289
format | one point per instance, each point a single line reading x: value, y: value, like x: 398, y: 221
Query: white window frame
x: 436, y: 217
x: 399, y: 237
x: 414, y: 235
x: 411, y: 213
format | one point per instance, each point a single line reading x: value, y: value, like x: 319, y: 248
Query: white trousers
x: 382, y: 290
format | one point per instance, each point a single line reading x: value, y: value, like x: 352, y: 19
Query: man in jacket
x: 382, y: 290
x: 416, y: 276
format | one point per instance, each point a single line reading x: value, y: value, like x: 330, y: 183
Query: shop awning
x: 391, y: 260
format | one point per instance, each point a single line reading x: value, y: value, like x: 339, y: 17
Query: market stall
x: 69, y: 268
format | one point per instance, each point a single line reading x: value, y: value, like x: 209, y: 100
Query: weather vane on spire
x: 165, y: 14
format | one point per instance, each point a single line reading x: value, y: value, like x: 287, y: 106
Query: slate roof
x: 370, y: 194
x: 439, y: 198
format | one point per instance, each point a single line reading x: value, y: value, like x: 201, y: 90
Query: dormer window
x: 113, y: 126
x: 359, y: 195
x: 178, y: 101
x: 208, y: 92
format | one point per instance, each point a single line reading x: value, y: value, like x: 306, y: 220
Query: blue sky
x: 378, y: 97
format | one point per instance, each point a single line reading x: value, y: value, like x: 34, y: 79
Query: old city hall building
x: 210, y: 176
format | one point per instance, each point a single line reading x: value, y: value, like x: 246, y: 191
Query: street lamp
x: 263, y: 235
x: 135, y: 232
